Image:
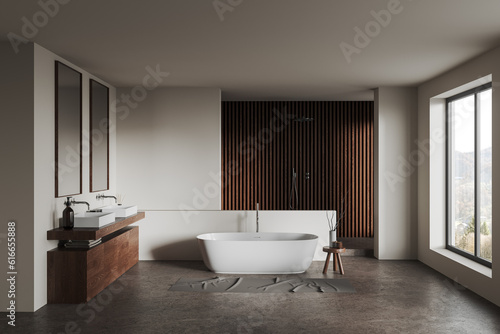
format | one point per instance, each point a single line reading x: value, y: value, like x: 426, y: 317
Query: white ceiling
x: 263, y: 49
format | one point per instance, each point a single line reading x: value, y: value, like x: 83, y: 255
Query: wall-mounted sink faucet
x: 82, y: 202
x: 102, y: 196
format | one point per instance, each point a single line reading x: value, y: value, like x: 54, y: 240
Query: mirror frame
x: 56, y: 167
x: 93, y: 82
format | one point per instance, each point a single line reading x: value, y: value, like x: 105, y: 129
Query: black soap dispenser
x: 68, y: 218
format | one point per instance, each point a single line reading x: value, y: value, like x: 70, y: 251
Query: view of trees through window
x: 470, y: 173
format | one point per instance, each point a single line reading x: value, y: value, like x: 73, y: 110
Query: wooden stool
x: 336, y: 257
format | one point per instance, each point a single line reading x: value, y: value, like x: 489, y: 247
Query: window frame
x: 477, y: 222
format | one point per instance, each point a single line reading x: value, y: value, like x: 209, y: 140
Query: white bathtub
x: 257, y: 253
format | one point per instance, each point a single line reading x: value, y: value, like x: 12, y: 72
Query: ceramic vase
x: 333, y: 237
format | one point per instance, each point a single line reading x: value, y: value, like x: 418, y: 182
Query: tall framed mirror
x: 68, y: 131
x: 99, y: 136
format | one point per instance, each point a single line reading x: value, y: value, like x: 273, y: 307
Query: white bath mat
x: 262, y: 285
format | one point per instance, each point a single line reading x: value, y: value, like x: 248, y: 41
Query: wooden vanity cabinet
x: 77, y: 275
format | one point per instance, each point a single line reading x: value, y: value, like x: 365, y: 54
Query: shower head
x: 303, y: 119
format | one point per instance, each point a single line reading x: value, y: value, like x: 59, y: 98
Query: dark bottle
x: 68, y: 218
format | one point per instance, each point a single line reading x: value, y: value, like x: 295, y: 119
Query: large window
x: 469, y: 171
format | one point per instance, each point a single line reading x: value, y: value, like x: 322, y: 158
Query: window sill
x: 479, y: 268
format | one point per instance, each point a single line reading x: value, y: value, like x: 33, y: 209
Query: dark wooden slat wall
x: 261, y: 143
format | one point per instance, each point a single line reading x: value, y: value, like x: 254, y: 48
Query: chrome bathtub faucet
x: 257, y: 219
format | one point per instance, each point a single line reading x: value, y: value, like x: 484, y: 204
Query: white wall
x: 28, y: 90
x: 171, y: 235
x: 431, y: 202
x: 169, y: 155
x: 16, y: 177
x: 395, y: 173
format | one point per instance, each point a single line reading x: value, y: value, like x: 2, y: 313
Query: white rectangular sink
x: 94, y: 219
x: 121, y: 211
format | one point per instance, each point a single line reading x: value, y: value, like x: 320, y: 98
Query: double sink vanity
x: 103, y: 216
x: 77, y: 274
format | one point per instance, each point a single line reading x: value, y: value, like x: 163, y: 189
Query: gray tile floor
x: 391, y: 297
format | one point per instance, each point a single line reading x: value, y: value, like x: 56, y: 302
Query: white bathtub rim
x: 300, y: 237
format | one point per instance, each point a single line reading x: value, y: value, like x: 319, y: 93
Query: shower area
x: 300, y: 155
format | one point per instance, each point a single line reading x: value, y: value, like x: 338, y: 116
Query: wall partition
x: 300, y: 155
